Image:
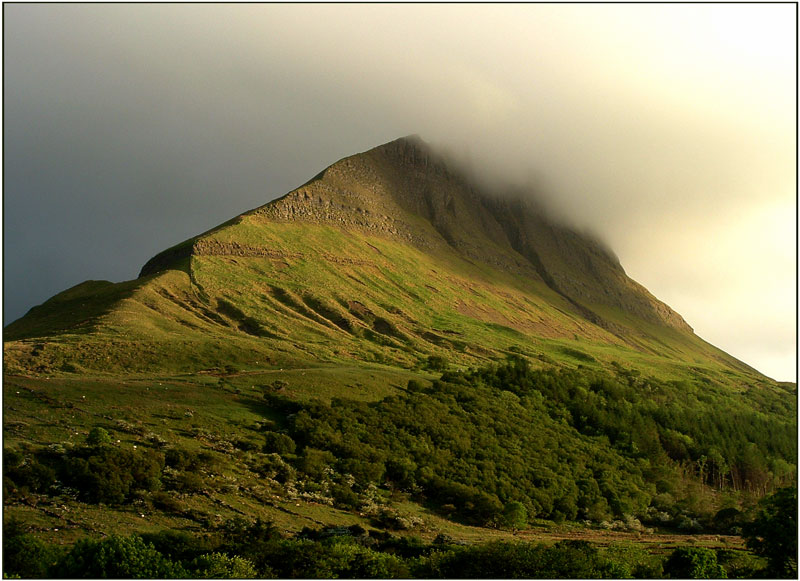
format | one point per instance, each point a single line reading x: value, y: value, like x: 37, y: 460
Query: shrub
x: 694, y: 563
x: 275, y: 442
x: 345, y: 497
x: 98, y: 437
x: 25, y: 472
x: 221, y: 566
x: 117, y: 557
x: 515, y: 516
x: 727, y: 520
x: 181, y: 459
x: 166, y: 502
x: 110, y: 474
x: 315, y: 462
x: 28, y: 557
x: 566, y: 559
x: 415, y: 385
x: 631, y: 560
x: 355, y: 562
x: 190, y: 482
x: 436, y: 363
x: 179, y: 545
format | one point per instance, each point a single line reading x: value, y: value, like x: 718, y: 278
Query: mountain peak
x: 392, y: 254
x: 412, y: 141
x: 404, y: 191
x: 412, y: 151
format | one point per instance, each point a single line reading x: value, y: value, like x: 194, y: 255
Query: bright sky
x: 667, y: 129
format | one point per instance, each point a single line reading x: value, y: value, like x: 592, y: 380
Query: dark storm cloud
x: 666, y: 129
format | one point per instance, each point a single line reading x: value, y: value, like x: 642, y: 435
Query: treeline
x: 239, y: 549
x: 243, y: 549
x: 743, y: 442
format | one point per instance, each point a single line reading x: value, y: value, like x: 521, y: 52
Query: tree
x: 275, y: 442
x: 515, y: 516
x: 98, y: 437
x: 694, y: 563
x: 773, y: 533
x: 117, y: 557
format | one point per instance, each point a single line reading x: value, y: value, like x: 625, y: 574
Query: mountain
x: 392, y: 256
x: 361, y: 377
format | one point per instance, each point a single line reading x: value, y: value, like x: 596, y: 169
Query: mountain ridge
x: 324, y: 199
x: 296, y: 265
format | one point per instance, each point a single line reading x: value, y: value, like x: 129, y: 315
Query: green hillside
x: 387, y: 347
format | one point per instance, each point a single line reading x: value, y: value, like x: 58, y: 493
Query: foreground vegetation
x: 241, y: 549
x: 392, y: 479
x: 496, y: 445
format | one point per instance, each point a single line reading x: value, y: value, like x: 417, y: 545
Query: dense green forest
x: 563, y: 444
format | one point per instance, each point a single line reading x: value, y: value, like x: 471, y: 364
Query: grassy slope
x: 334, y: 297
x: 212, y: 337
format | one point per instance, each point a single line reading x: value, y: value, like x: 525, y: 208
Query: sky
x: 668, y: 130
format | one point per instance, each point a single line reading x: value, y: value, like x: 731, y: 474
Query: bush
x: 315, y: 462
x: 631, y: 560
x: 437, y: 363
x: 179, y: 545
x: 727, y: 520
x: 515, y: 516
x: 694, y: 563
x: 566, y: 559
x: 275, y: 442
x: 117, y: 557
x: 414, y: 385
x: 25, y: 473
x: 110, y: 474
x: 28, y: 557
x: 221, y: 566
x: 345, y: 497
x: 355, y: 562
x: 181, y: 459
x: 166, y: 502
x: 98, y: 437
x: 189, y: 482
